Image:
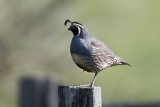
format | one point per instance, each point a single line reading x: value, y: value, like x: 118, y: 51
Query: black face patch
x: 76, y: 28
x: 75, y: 31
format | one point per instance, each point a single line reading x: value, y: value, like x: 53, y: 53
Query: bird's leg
x: 92, y: 83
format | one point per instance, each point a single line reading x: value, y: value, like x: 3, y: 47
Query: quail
x: 91, y: 54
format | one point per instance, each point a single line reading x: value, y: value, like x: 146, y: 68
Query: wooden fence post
x: 38, y: 92
x: 79, y: 96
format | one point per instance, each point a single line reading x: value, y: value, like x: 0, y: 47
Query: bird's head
x: 76, y: 27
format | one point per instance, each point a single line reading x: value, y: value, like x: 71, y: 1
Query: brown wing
x: 103, y: 55
x: 101, y: 49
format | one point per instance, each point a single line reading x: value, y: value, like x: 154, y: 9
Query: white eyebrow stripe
x: 79, y: 31
x: 79, y: 25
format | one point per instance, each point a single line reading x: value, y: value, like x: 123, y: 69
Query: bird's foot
x: 90, y: 85
x: 86, y: 85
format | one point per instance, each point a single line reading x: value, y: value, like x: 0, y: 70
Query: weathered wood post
x: 79, y: 96
x: 36, y: 92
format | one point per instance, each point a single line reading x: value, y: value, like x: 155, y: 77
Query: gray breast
x: 80, y: 46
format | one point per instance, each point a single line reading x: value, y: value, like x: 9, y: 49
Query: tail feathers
x: 125, y: 63
x: 122, y: 62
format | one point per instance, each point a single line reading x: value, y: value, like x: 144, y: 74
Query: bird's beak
x: 70, y: 28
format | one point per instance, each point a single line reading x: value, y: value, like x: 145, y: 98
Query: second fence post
x: 79, y: 96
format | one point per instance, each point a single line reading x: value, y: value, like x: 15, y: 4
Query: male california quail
x: 90, y: 54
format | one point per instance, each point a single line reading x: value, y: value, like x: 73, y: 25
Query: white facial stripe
x: 79, y: 25
x: 79, y: 30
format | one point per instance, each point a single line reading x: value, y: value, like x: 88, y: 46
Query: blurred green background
x: 35, y: 42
